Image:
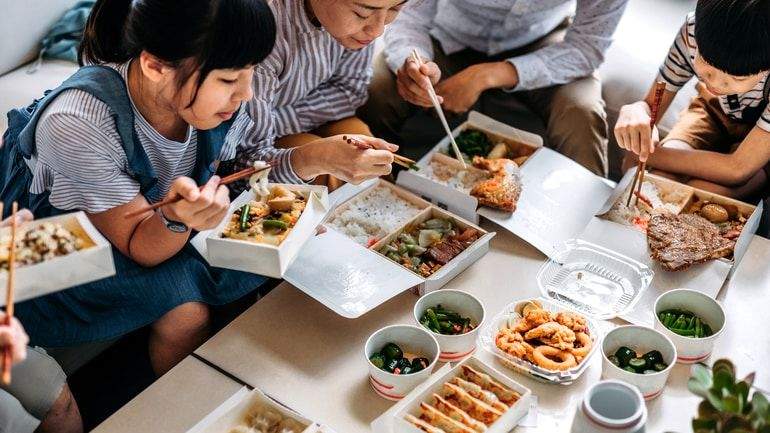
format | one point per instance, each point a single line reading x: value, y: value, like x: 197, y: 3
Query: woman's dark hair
x: 734, y: 35
x: 193, y: 35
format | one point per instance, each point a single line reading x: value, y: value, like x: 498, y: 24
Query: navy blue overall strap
x: 107, y: 85
x: 210, y: 143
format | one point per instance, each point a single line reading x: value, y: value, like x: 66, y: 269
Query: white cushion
x: 23, y: 24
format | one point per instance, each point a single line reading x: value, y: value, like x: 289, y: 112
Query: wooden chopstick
x: 398, y: 159
x: 246, y: 172
x: 7, y: 355
x: 640, y: 169
x: 440, y: 111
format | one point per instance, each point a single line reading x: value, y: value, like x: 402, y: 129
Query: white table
x: 312, y: 360
x: 175, y: 402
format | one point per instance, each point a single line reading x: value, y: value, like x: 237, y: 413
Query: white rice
x: 461, y: 180
x: 622, y: 214
x: 373, y: 215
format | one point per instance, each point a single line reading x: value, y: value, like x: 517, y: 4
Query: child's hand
x: 200, y: 209
x: 13, y: 336
x: 22, y: 216
x: 633, y: 131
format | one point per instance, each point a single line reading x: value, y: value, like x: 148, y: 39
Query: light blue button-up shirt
x: 495, y: 26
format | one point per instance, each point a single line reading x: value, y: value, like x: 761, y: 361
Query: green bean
x: 244, y: 221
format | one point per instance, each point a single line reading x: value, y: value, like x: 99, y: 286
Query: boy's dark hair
x: 734, y: 35
x: 192, y: 35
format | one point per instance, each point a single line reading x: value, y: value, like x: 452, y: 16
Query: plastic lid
x: 593, y: 280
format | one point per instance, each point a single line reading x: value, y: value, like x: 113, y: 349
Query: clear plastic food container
x: 593, y: 280
x: 506, y: 318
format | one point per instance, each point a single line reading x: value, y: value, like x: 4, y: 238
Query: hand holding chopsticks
x: 639, y: 175
x: 398, y: 159
x: 7, y: 354
x: 440, y: 112
x: 247, y: 172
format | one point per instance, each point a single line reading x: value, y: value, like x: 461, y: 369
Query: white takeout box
x: 92, y: 262
x: 234, y: 410
x: 351, y: 279
x: 265, y: 259
x: 411, y: 403
x: 562, y: 201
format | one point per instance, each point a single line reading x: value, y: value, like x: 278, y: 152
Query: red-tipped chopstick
x: 7, y: 355
x: 246, y: 172
x: 639, y: 175
x: 398, y: 159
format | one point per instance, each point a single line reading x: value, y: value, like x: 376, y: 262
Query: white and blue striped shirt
x: 678, y: 69
x: 81, y: 161
x: 309, y: 79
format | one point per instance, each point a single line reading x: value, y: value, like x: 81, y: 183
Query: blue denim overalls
x: 136, y: 296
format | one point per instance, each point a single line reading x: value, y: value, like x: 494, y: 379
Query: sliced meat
x: 679, y: 241
x: 444, y: 251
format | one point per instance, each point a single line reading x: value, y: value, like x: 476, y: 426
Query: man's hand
x: 462, y: 90
x: 14, y: 338
x: 413, y: 81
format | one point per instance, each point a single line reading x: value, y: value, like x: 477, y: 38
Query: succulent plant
x: 728, y: 406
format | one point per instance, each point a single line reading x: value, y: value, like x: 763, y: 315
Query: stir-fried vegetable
x: 685, y: 323
x: 244, y: 220
x: 391, y: 359
x: 627, y: 359
x: 443, y: 321
x: 471, y: 143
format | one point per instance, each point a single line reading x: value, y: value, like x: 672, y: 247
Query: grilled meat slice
x: 679, y: 241
x: 444, y: 251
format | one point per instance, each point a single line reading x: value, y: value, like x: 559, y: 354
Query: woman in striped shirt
x: 156, y: 110
x: 307, y: 91
x: 720, y: 142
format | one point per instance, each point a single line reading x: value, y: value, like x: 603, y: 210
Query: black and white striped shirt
x: 308, y: 80
x: 678, y: 69
x: 81, y: 161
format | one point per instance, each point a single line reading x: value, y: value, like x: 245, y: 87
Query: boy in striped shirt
x: 721, y: 142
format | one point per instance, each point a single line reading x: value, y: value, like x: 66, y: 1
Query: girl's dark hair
x: 734, y: 35
x: 192, y: 35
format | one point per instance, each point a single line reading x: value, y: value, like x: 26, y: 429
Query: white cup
x: 610, y: 406
x: 691, y: 350
x: 453, y: 347
x: 411, y: 339
x: 641, y: 339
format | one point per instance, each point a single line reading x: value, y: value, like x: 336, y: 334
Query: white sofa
x: 23, y: 24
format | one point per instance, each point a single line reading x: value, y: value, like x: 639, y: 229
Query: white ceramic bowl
x: 691, y: 350
x: 641, y: 339
x: 453, y: 347
x: 412, y: 340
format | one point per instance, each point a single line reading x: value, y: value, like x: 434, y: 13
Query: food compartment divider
x: 507, y: 315
x: 422, y: 216
x: 506, y: 423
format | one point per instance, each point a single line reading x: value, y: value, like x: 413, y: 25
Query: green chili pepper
x: 274, y: 224
x: 244, y: 221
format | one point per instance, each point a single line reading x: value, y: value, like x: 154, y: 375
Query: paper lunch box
x: 393, y: 420
x: 259, y: 258
x: 351, y: 279
x: 236, y: 411
x: 92, y: 262
x: 561, y: 203
x: 519, y: 144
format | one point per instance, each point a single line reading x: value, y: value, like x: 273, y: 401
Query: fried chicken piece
x: 513, y: 343
x: 503, y: 189
x: 553, y: 334
x: 573, y: 321
x: 533, y: 317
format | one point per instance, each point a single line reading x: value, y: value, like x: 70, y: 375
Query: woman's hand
x: 633, y: 131
x: 413, y: 81
x: 199, y: 209
x: 14, y: 338
x: 348, y: 162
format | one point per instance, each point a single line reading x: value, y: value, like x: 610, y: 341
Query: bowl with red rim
x: 454, y: 347
x: 691, y: 349
x: 640, y: 339
x: 415, y: 342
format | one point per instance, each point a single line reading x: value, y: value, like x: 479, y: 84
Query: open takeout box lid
x: 351, y: 279
x: 91, y: 263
